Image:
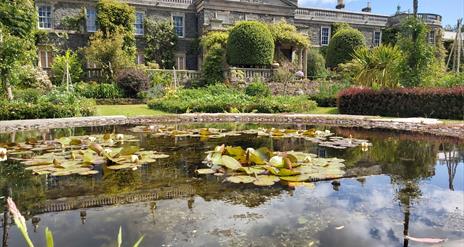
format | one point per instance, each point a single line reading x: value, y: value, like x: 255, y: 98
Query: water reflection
x: 403, y: 185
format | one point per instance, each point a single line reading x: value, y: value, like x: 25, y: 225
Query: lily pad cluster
x: 323, y: 138
x: 264, y: 167
x: 82, y: 154
x: 162, y: 130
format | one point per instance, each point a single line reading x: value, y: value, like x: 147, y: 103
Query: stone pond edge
x: 427, y: 126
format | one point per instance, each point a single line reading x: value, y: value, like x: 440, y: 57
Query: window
x: 45, y: 16
x: 377, y: 38
x: 180, y: 61
x: 325, y: 36
x: 178, y: 23
x: 431, y: 37
x: 139, y: 23
x: 140, y: 58
x: 45, y: 58
x: 91, y: 20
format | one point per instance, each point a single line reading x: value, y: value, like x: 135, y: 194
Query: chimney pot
x: 368, y: 8
x: 341, y: 4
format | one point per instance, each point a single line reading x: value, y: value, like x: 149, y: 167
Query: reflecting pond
x: 400, y: 185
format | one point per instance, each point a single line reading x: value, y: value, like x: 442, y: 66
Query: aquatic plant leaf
x: 254, y: 157
x: 159, y: 156
x: 251, y: 170
x: 120, y: 237
x: 287, y: 172
x: 97, y: 148
x: 49, y: 238
x: 129, y: 150
x: 137, y: 244
x: 205, y: 171
x: 64, y: 141
x: 235, y: 151
x: 277, y: 161
x: 266, y: 180
x: 240, y: 179
x: 297, y: 178
x: 301, y: 184
x: 122, y: 166
x: 75, y: 141
x: 230, y: 162
x: 106, y: 136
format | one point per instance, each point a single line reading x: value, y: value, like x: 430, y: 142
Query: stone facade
x: 200, y: 16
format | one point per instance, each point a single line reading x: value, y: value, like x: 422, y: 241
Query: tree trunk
x: 7, y: 86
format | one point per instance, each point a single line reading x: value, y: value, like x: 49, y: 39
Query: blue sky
x: 451, y: 10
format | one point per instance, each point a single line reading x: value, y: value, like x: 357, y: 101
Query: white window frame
x: 49, y: 18
x: 183, y: 23
x: 431, y: 37
x: 183, y: 62
x: 140, y: 58
x: 45, y: 64
x: 374, y: 39
x: 91, y: 24
x: 139, y: 30
x: 329, y: 30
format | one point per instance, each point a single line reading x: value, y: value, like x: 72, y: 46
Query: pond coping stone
x: 421, y: 125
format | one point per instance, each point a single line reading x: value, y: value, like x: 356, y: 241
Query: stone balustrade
x: 335, y: 16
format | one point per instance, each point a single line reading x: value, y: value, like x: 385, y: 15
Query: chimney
x: 368, y: 8
x: 341, y: 4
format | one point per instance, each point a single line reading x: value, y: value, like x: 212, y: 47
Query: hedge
x: 342, y: 46
x: 250, y: 43
x: 443, y: 103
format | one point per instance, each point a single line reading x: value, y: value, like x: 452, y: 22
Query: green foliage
x: 161, y: 42
x: 220, y: 98
x: 316, y: 64
x: 108, y: 54
x: 55, y: 104
x: 250, y: 43
x: 377, y: 67
x: 213, y: 65
x: 132, y: 82
x: 342, y: 46
x: 19, y: 18
x: 339, y: 26
x: 113, y: 17
x: 75, y: 23
x: 70, y: 60
x: 258, y: 89
x: 451, y: 80
x: 285, y: 33
x: 444, y: 103
x: 213, y: 38
x: 420, y: 66
x: 390, y: 36
x: 95, y: 90
x: 327, y: 95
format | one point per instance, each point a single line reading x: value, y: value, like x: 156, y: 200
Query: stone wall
x: 427, y: 126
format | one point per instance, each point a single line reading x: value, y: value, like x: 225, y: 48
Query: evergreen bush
x: 250, y: 43
x: 342, y: 46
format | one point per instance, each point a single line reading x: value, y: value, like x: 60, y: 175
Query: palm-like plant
x: 377, y: 67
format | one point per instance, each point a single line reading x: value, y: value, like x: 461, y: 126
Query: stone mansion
x: 192, y: 18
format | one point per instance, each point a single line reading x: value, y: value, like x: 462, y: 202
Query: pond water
x: 404, y: 185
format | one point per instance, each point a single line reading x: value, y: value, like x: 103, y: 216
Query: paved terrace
x: 420, y: 125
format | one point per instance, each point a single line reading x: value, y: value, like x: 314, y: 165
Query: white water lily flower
x: 92, y: 138
x: 119, y: 137
x: 152, y: 127
x: 327, y: 131
x: 318, y: 132
x: 134, y: 158
x: 3, y: 153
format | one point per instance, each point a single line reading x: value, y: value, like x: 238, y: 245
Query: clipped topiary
x: 343, y: 45
x: 250, y: 43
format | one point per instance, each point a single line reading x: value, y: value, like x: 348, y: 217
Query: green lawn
x: 143, y: 110
x: 126, y: 110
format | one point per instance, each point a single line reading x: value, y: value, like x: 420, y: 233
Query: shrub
x: 108, y: 54
x: 214, y: 38
x: 378, y: 67
x: 316, y: 64
x: 53, y: 105
x: 59, y: 67
x: 258, y: 89
x: 342, y: 46
x: 161, y: 43
x: 285, y: 33
x: 250, y: 43
x: 220, y: 98
x: 98, y: 90
x: 327, y: 95
x: 213, y: 66
x: 452, y: 80
x: 132, y: 81
x: 445, y: 103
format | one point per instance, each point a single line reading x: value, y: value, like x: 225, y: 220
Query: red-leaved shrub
x: 444, y: 103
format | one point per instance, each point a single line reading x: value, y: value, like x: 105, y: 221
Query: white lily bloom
x: 3, y: 152
x: 92, y: 138
x: 119, y: 137
x: 134, y: 158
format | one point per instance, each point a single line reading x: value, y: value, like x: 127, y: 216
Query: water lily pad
x: 205, y: 171
x: 230, y: 162
x: 266, y: 180
x: 297, y: 178
x: 241, y: 179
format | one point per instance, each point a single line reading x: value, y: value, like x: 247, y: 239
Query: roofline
x: 344, y: 11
